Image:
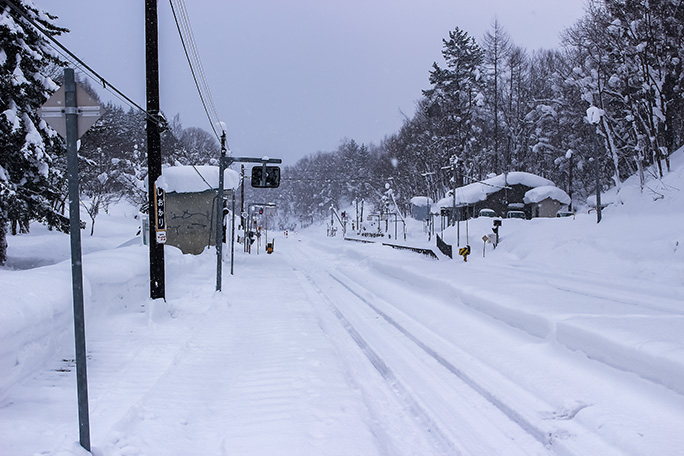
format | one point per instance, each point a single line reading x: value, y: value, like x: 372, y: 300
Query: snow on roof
x: 519, y: 177
x: 193, y: 179
x: 539, y: 194
x: 421, y: 201
x: 478, y: 191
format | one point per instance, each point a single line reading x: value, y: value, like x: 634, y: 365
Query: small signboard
x: 159, y: 203
x: 491, y: 238
x: 160, y: 215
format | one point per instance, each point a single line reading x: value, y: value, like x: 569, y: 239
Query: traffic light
x: 265, y: 176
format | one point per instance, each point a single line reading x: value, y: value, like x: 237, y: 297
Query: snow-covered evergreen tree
x: 28, y: 147
x: 455, y: 95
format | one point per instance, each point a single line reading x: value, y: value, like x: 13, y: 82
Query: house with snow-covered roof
x: 546, y: 201
x: 190, y: 206
x: 519, y: 191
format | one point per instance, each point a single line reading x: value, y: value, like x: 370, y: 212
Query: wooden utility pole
x: 157, y: 280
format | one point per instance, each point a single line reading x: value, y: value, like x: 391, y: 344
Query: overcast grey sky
x: 295, y: 77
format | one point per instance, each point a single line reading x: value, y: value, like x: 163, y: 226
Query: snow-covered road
x: 333, y: 347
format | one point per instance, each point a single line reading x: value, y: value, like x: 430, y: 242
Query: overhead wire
x: 182, y: 20
x: 84, y: 67
x: 210, y: 97
x: 187, y: 38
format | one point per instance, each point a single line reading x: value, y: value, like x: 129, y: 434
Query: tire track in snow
x: 447, y: 447
x: 539, y: 435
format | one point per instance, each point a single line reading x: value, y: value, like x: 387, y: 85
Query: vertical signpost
x: 63, y: 112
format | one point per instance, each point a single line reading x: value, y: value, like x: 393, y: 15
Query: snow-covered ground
x: 567, y: 339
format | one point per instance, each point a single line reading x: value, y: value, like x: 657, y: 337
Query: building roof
x: 479, y: 191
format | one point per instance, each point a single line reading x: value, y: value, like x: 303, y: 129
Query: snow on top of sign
x: 539, y: 194
x: 478, y: 191
x: 193, y: 179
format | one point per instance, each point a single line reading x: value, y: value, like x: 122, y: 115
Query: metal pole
x: 243, y: 220
x: 76, y: 263
x: 598, y: 179
x: 219, y: 214
x: 232, y: 237
x: 242, y: 194
x: 157, y: 281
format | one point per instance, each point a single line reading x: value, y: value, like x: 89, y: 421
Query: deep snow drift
x: 566, y: 339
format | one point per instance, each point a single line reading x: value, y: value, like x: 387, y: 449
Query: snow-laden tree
x: 111, y: 165
x: 649, y: 74
x: 196, y: 147
x: 516, y: 96
x: 29, y: 149
x: 627, y: 61
x: 497, y: 46
x: 455, y: 95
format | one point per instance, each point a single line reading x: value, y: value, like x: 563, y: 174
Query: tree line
x: 495, y: 107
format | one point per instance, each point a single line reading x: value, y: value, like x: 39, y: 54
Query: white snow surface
x: 190, y: 179
x: 564, y: 340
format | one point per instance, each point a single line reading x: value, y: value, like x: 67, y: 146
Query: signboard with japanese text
x: 159, y: 215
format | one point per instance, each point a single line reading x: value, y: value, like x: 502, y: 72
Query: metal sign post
x: 70, y: 120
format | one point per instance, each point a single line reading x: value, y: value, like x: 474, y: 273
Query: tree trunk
x: 3, y: 242
x: 611, y: 148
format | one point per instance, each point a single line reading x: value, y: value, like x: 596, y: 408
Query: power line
x: 192, y: 55
x: 80, y: 63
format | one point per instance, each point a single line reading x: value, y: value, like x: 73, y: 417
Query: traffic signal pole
x: 225, y: 162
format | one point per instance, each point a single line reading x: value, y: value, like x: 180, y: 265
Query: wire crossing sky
x: 297, y: 77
